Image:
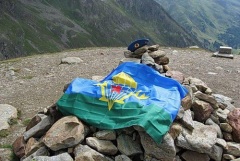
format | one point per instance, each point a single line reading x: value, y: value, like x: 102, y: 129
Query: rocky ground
x: 33, y: 83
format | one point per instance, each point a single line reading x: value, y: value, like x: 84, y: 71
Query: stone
x: 222, y: 143
x: 234, y: 121
x: 162, y: 61
x: 162, y: 151
x: 122, y: 158
x: 128, y: 54
x: 102, y: 146
x: 85, y: 153
x: 222, y: 114
x: 215, y: 153
x: 42, y: 151
x: 233, y: 149
x: 178, y: 76
x: 39, y: 129
x: 66, y: 132
x: 227, y: 136
x: 187, y: 120
x: 127, y: 146
x: 157, y: 54
x: 191, y: 155
x: 71, y: 60
x: 140, y: 51
x: 34, y: 121
x: 214, y: 125
x: 202, y: 110
x: 187, y: 102
x: 106, y: 135
x: 226, y: 127
x: 19, y: 146
x: 32, y: 146
x: 201, y: 139
x: 97, y: 78
x: 54, y: 113
x: 201, y: 86
x: 60, y: 157
x: 224, y: 100
x: 7, y: 112
x: 5, y: 154
x: 207, y: 98
x: 153, y: 47
x: 129, y: 60
x: 229, y: 157
x: 175, y: 130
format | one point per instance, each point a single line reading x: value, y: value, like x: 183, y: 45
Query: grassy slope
x: 53, y: 25
x: 211, y: 21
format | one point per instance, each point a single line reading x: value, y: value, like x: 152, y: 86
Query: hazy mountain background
x: 213, y: 22
x: 39, y: 26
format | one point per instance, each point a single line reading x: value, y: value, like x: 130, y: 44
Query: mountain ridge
x: 35, y: 27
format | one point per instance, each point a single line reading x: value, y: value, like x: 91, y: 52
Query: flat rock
x: 66, y: 132
x: 85, y: 153
x: 6, y: 113
x: 102, y: 146
x: 71, y: 60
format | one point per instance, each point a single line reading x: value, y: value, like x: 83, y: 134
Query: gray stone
x: 39, y: 129
x: 122, y: 158
x: 153, y: 47
x: 187, y: 120
x: 6, y: 113
x: 106, y: 135
x: 201, y: 139
x: 222, y: 143
x: 215, y: 153
x: 163, y: 151
x: 233, y: 149
x: 102, y: 146
x: 85, y: 153
x: 222, y: 114
x: 126, y: 145
x: 201, y: 86
x: 97, y: 78
x: 42, y: 151
x: 140, y: 51
x: 60, y: 157
x: 66, y: 132
x: 129, y: 60
x: 191, y: 155
x: 71, y: 60
x: 218, y: 129
x: 224, y: 100
x: 229, y: 157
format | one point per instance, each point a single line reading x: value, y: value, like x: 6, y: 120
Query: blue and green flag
x: 132, y: 94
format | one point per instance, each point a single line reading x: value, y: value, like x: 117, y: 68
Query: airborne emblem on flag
x: 122, y: 87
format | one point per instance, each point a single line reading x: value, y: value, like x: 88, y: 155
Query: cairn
x: 207, y: 128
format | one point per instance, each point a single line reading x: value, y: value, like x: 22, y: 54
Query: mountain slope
x: 29, y: 27
x: 214, y: 23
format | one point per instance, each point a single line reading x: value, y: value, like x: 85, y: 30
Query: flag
x: 132, y: 94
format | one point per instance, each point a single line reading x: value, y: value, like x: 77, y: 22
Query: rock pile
x: 207, y: 128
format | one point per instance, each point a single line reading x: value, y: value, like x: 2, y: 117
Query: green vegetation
x: 4, y: 133
x: 26, y: 121
x: 214, y: 23
x: 30, y: 29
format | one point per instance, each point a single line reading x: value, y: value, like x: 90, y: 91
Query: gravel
x: 33, y: 83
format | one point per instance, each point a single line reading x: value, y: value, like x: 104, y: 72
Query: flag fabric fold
x: 132, y: 94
